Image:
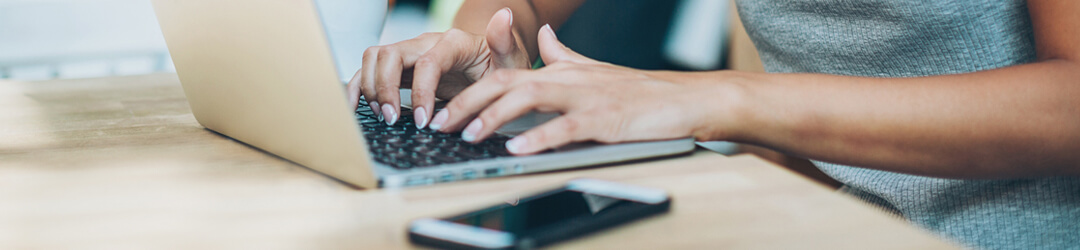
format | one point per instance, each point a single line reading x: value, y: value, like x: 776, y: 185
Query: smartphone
x: 580, y: 207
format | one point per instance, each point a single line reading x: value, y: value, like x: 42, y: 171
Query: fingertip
x: 547, y: 29
x: 390, y: 114
x: 518, y: 145
x: 354, y: 98
x: 420, y: 117
x: 509, y: 16
x: 374, y: 105
x: 505, y: 14
x: 547, y: 37
x: 500, y: 35
x: 425, y: 82
x: 388, y: 99
x: 439, y: 119
x: 550, y: 47
x: 353, y: 102
x: 472, y: 132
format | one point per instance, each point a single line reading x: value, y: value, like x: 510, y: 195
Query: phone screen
x: 533, y: 214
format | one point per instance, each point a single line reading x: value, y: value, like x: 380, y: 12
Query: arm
x: 1013, y: 122
x: 1020, y: 121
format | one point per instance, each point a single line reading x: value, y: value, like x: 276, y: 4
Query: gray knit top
x: 909, y: 38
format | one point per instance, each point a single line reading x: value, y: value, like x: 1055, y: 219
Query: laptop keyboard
x: 403, y: 146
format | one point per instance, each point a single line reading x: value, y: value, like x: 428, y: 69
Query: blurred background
x: 50, y: 39
x: 65, y: 39
x: 45, y: 39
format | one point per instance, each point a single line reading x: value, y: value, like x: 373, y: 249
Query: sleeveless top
x: 908, y: 38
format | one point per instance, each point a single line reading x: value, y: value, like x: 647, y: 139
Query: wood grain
x: 121, y: 163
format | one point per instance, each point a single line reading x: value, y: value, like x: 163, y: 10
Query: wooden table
x: 121, y: 163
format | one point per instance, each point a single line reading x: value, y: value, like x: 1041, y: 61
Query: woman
x: 961, y: 116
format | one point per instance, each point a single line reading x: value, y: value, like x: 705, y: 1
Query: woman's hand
x: 598, y: 101
x: 434, y: 65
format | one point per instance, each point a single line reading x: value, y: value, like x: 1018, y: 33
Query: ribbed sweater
x: 908, y: 38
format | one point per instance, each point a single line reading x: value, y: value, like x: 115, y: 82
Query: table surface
x: 121, y: 163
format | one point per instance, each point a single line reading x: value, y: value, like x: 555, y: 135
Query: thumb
x: 501, y: 41
x: 552, y: 50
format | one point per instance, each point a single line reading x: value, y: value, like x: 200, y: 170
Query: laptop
x: 262, y: 72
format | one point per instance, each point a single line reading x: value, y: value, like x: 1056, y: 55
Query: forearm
x: 1010, y: 122
x: 529, y: 16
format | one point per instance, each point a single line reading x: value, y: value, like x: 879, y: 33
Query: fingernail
x: 439, y: 119
x: 420, y: 115
x: 516, y: 145
x: 375, y: 108
x: 389, y: 114
x: 469, y: 134
x: 549, y: 30
x: 510, y: 15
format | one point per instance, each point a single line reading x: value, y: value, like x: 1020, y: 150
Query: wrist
x: 719, y: 106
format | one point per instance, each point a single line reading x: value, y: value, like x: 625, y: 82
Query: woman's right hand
x: 435, y: 65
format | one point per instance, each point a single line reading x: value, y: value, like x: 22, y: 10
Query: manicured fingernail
x: 389, y: 113
x: 470, y: 132
x: 375, y: 108
x: 440, y: 118
x: 509, y: 15
x: 516, y: 145
x: 420, y: 116
x: 549, y: 30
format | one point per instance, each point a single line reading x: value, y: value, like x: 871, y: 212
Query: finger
x: 429, y: 68
x: 503, y: 43
x: 476, y: 97
x: 518, y: 101
x: 352, y: 90
x: 557, y: 132
x: 443, y: 57
x: 367, y: 78
x: 408, y: 50
x: 552, y: 51
x: 423, y: 101
x: 411, y: 50
x: 387, y: 81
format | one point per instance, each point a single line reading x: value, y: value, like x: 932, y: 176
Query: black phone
x: 580, y: 207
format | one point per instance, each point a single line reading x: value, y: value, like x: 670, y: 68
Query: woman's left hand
x: 598, y: 102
